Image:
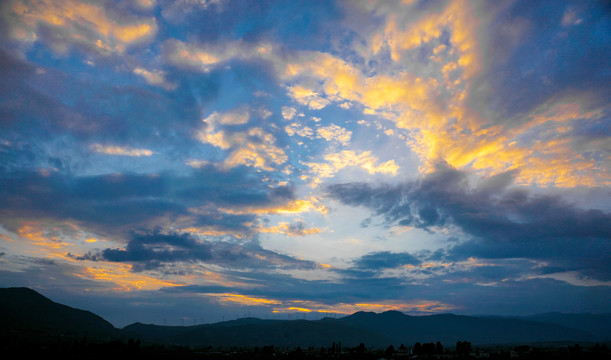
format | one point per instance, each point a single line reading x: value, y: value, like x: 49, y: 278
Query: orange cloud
x: 289, y: 230
x: 43, y: 239
x: 296, y: 128
x: 243, y: 299
x: 78, y: 22
x: 334, y: 132
x: 549, y: 160
x: 347, y: 158
x: 252, y: 147
x: 155, y: 78
x: 305, y: 306
x: 434, y: 107
x: 291, y: 207
x: 205, y: 57
x: 123, y: 278
x: 453, y: 132
x: 211, y: 231
x: 6, y: 238
x: 120, y: 150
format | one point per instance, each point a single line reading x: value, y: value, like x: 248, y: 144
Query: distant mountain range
x: 27, y: 313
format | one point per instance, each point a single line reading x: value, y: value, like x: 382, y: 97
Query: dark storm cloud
x: 385, y: 260
x: 155, y: 249
x: 503, y: 221
x: 122, y: 202
x: 42, y: 194
x: 588, y: 256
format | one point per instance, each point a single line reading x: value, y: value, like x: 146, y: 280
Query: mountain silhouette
x: 24, y: 313
x: 257, y: 332
x: 450, y: 328
x: 597, y: 324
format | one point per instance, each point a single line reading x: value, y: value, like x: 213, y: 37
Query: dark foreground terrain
x: 33, y: 325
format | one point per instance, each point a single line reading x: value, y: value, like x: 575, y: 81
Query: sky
x: 193, y: 161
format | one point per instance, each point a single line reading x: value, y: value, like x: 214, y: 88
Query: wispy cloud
x: 120, y: 150
x: 67, y: 23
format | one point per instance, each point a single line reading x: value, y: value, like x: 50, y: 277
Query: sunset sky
x: 189, y: 161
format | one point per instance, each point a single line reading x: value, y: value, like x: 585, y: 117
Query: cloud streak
x: 502, y: 221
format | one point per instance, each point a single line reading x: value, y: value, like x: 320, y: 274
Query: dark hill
x: 598, y: 325
x: 257, y: 332
x: 26, y: 312
x: 449, y: 328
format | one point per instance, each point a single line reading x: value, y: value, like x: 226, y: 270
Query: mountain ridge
x: 25, y: 310
x: 23, y: 307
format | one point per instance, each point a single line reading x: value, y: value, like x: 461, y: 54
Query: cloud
x: 299, y: 228
x: 97, y: 28
x: 334, y: 132
x: 176, y: 11
x: 176, y: 134
x: 385, y: 260
x: 154, y: 249
x: 347, y: 158
x: 345, y: 297
x: 155, y: 78
x: 120, y: 150
x: 288, y: 113
x: 307, y: 97
x: 119, y: 203
x: 204, y: 57
x: 290, y: 207
x: 503, y: 221
x: 251, y: 147
x: 296, y: 128
x: 438, y: 100
x: 306, y: 306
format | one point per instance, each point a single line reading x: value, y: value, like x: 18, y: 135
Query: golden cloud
x: 292, y: 207
x: 120, y: 150
x: 251, y: 147
x: 122, y: 278
x: 336, y: 161
x: 289, y: 230
x: 305, y: 306
x: 76, y: 23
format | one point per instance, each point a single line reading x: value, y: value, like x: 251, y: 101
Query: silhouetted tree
x: 575, y: 350
x: 438, y: 348
x: 133, y: 346
x: 268, y: 350
x: 297, y: 354
x: 417, y: 349
x: 463, y: 347
x: 428, y: 348
x: 600, y: 348
x: 389, y: 352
